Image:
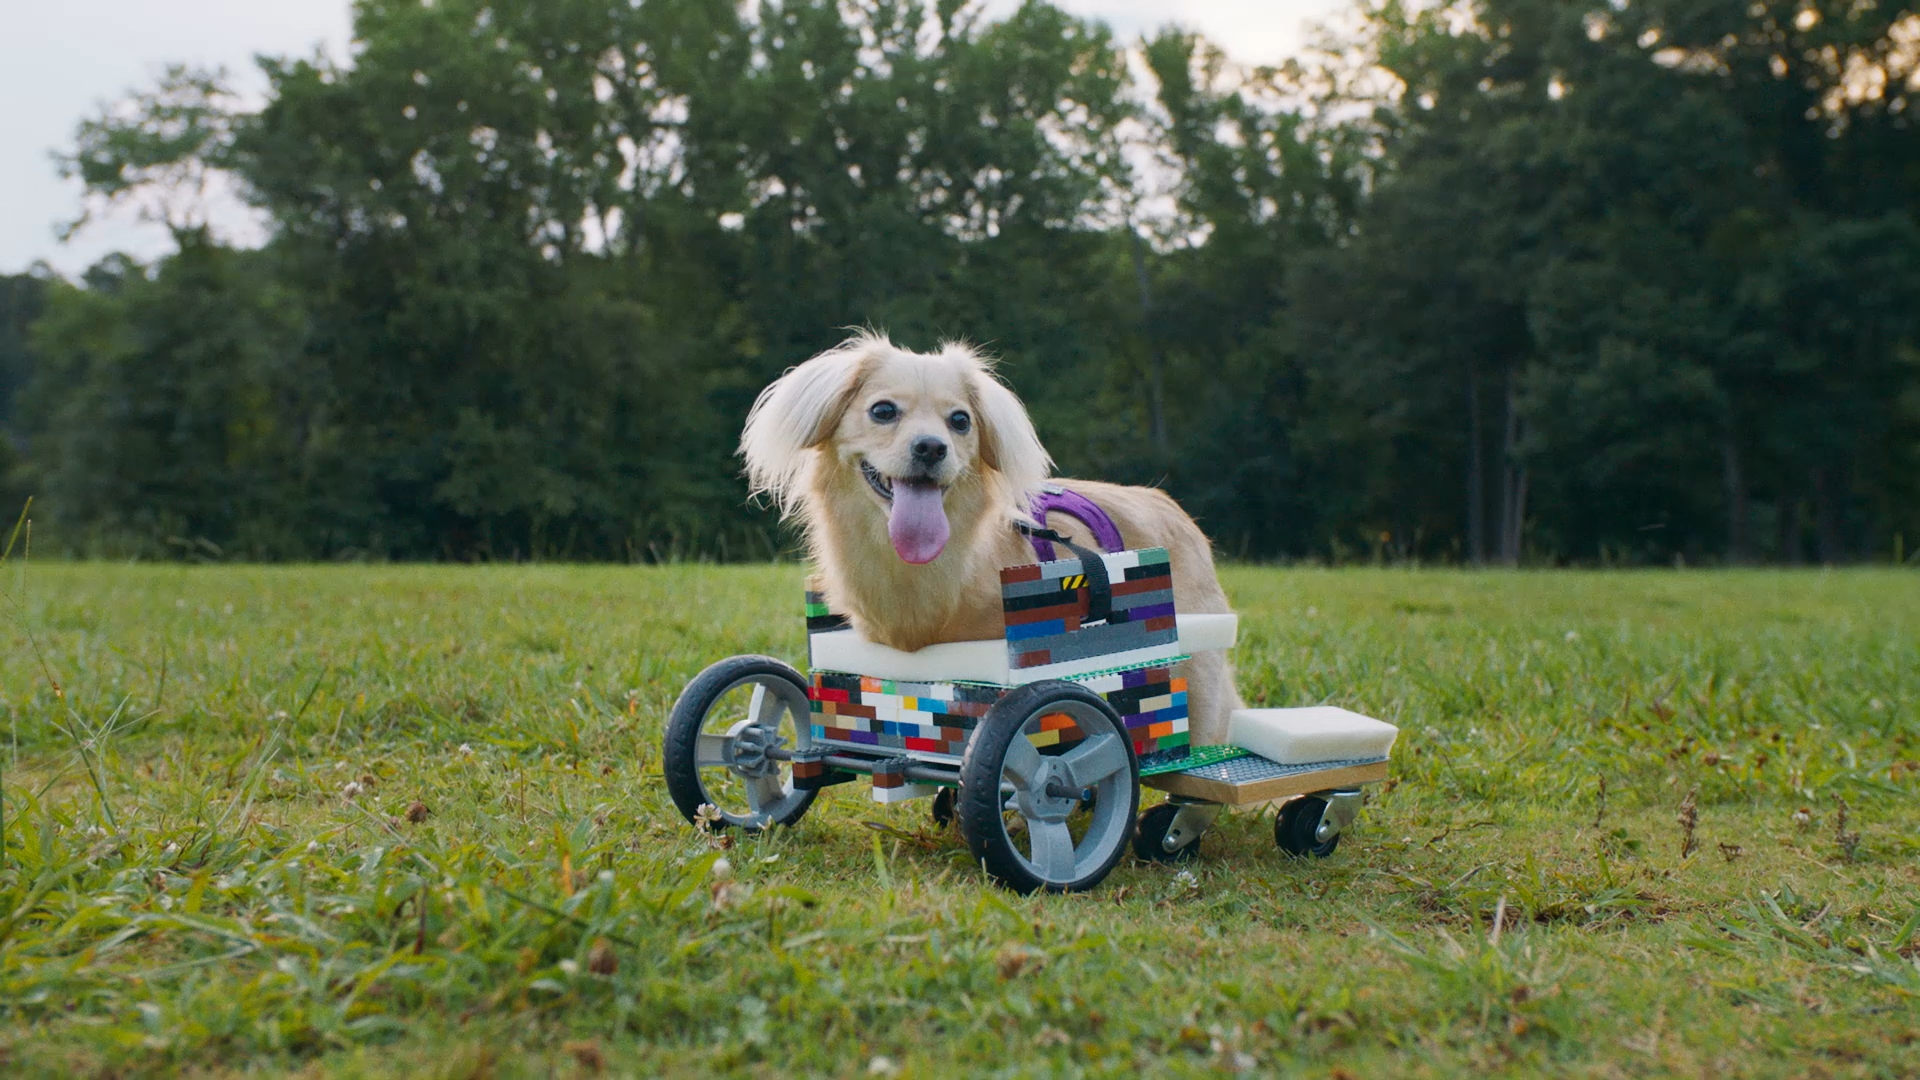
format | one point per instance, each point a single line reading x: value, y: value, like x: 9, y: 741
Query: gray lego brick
x: 1141, y: 600
x: 1095, y: 641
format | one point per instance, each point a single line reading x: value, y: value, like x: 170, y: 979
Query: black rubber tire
x: 981, y: 802
x: 1150, y: 835
x: 1295, y: 825
x: 942, y: 808
x: 683, y: 731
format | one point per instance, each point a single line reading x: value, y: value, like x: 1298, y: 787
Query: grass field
x: 409, y: 821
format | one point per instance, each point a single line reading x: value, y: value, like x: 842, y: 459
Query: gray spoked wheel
x: 718, y: 736
x: 1048, y: 789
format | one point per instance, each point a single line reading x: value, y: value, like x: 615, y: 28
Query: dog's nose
x: 928, y: 450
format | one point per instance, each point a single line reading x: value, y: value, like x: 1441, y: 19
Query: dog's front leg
x: 1211, y: 697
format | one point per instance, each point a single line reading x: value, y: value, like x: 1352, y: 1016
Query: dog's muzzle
x: 880, y: 484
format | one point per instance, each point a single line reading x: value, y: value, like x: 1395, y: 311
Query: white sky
x: 61, y: 60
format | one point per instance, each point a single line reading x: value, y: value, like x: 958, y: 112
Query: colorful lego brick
x: 926, y: 718
x: 811, y: 772
x: 1061, y: 642
x: 820, y: 619
x: 1184, y: 757
x: 1046, y: 608
x: 890, y: 782
x: 935, y: 720
x: 1014, y: 575
x: 1053, y: 729
x: 1064, y: 576
x: 890, y: 772
x: 1152, y: 704
x: 903, y: 792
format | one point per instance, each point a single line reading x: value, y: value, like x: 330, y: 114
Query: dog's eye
x: 959, y: 421
x: 883, y: 412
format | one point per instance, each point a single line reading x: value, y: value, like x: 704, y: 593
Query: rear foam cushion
x: 1310, y: 735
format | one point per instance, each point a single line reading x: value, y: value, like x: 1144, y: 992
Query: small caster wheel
x: 1294, y: 829
x: 943, y: 808
x: 1150, y: 837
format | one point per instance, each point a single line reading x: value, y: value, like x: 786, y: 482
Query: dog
x: 908, y: 472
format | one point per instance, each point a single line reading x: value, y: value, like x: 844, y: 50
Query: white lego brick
x: 904, y: 792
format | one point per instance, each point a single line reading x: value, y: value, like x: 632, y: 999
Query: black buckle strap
x: 1099, y: 588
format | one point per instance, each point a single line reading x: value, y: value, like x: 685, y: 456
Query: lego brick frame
x: 934, y: 720
x: 1045, y: 606
x: 1126, y: 658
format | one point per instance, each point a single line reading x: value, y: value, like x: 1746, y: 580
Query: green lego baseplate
x: 1195, y: 757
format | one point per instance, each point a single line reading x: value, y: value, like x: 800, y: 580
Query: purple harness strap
x: 1074, y: 505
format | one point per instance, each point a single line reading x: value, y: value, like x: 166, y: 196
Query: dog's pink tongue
x: 917, y: 524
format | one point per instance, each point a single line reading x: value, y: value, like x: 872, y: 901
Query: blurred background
x: 1508, y: 281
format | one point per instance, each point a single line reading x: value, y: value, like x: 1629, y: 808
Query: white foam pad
x: 1205, y: 633
x: 952, y: 661
x: 1310, y: 735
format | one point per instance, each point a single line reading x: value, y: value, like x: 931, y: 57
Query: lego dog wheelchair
x: 1038, y: 743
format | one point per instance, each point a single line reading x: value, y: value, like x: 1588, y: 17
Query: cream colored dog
x: 908, y: 471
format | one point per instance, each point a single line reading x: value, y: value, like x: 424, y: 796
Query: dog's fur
x: 809, y: 433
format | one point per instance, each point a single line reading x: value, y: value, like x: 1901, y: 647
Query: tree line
x: 1608, y: 281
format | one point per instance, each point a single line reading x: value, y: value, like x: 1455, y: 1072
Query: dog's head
x: 911, y: 427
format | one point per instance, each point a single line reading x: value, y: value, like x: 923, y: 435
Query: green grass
x: 210, y: 864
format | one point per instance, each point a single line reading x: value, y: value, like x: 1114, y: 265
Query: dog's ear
x: 1008, y: 443
x: 797, y: 413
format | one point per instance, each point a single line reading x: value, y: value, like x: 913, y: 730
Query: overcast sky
x: 60, y: 61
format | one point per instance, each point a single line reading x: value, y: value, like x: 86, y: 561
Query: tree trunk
x: 1476, y: 475
x: 1519, y: 516
x: 1513, y: 480
x: 1737, y: 552
x: 1826, y: 516
x: 1156, y: 359
x: 1791, y: 550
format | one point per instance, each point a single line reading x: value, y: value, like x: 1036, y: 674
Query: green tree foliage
x: 1587, y: 280
x: 1612, y: 235
x: 1259, y: 189
x: 23, y: 299
x: 161, y: 404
